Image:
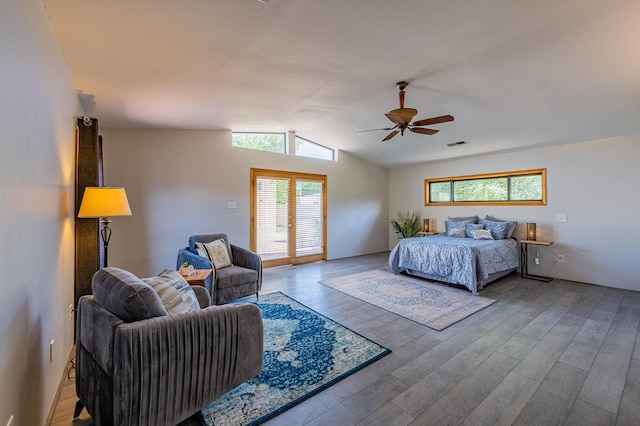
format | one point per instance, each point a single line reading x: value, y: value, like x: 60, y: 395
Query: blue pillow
x: 468, y: 227
x: 498, y: 229
x: 454, y: 227
x: 470, y: 219
x: 456, y: 232
x: 512, y: 223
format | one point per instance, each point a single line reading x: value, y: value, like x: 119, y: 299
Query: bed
x: 466, y: 261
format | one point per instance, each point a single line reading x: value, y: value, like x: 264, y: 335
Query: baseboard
x: 65, y: 375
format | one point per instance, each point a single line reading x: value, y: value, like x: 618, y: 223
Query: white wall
x: 37, y: 107
x: 595, y: 183
x: 179, y: 183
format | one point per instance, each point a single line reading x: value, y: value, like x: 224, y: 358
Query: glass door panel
x: 309, y: 218
x: 272, y: 218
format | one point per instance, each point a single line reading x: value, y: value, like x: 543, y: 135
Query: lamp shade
x: 104, y: 202
x: 531, y: 231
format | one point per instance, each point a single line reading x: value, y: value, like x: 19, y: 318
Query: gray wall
x: 37, y: 107
x: 179, y: 183
x: 595, y: 183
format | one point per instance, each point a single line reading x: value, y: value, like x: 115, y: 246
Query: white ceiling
x: 513, y: 73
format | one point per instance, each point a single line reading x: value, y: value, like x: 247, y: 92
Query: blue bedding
x: 455, y: 260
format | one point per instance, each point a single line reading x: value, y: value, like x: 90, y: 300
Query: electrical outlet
x: 537, y: 260
x: 10, y: 422
x: 561, y: 218
x: 71, y: 313
x: 560, y: 258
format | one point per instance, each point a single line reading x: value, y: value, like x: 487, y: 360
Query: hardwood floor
x: 558, y: 353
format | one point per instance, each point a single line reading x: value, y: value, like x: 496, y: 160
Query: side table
x: 524, y: 259
x: 424, y: 233
x: 198, y: 277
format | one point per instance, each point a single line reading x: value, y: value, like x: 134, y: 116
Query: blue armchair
x: 242, y: 278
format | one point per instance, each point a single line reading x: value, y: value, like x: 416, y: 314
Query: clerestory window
x: 307, y: 148
x: 271, y: 142
x: 523, y: 188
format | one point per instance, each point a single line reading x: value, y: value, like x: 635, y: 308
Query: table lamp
x: 531, y: 231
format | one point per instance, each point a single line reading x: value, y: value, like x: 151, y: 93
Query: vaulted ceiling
x: 513, y: 73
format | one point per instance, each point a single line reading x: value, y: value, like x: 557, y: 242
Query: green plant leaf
x: 405, y: 225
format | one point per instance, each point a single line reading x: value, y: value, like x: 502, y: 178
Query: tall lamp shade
x: 531, y: 231
x: 104, y: 202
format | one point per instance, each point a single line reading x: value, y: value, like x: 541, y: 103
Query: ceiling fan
x: 402, y: 118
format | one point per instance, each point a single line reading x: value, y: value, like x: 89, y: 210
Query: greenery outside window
x: 307, y: 148
x: 271, y: 142
x: 518, y: 188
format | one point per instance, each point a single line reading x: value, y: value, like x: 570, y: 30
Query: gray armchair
x: 138, y: 365
x: 242, y: 278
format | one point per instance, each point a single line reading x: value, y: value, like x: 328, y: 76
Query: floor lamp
x: 104, y: 202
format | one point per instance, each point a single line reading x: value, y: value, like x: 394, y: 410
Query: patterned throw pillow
x: 176, y: 294
x: 498, y: 229
x: 454, y: 228
x: 512, y: 224
x: 216, y: 252
x: 481, y: 234
x: 468, y: 227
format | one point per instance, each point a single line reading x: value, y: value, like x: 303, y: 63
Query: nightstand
x: 524, y: 259
x: 424, y: 234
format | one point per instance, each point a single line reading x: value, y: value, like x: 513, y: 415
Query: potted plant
x: 184, y: 269
x: 405, y: 225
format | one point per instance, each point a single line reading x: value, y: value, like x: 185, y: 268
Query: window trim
x: 542, y: 202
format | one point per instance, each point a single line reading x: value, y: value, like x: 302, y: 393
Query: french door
x: 288, y: 216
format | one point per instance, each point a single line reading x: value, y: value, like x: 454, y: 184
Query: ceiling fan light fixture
x: 405, y: 114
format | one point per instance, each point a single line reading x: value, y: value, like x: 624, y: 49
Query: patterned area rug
x: 304, y: 353
x: 434, y: 305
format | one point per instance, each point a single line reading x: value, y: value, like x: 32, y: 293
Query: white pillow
x: 216, y: 252
x: 176, y: 294
x: 482, y: 234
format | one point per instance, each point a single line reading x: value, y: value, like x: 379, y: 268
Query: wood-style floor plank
x: 557, y: 353
x: 552, y: 401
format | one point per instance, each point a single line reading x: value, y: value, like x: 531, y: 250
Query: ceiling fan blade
x: 433, y: 120
x: 390, y: 135
x: 374, y: 130
x: 423, y: 130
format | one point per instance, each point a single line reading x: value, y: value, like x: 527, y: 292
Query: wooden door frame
x: 292, y: 259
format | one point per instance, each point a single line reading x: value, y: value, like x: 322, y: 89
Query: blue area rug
x: 304, y: 353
